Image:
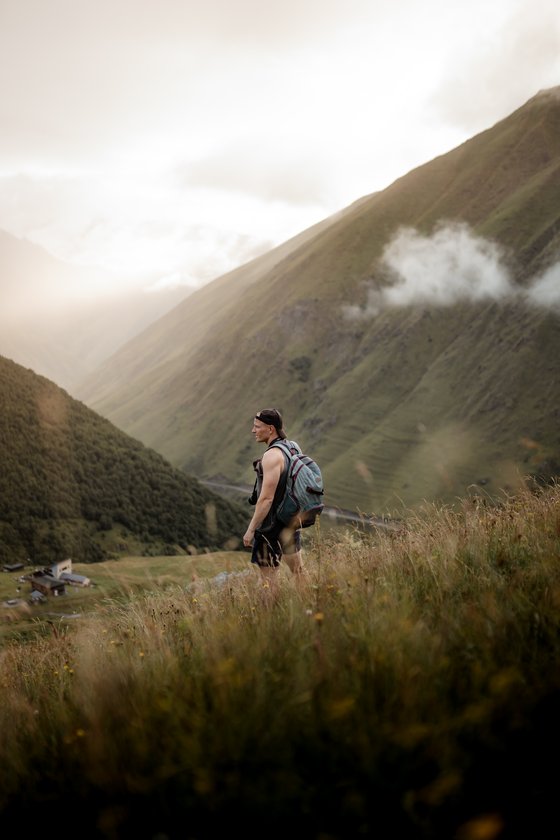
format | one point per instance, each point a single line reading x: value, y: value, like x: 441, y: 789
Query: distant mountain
x: 414, y: 373
x: 47, y: 323
x: 73, y: 485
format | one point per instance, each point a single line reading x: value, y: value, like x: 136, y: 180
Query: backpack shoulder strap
x: 287, y: 448
x: 290, y: 447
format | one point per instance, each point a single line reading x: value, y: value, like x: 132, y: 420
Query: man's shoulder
x: 272, y: 453
x: 276, y: 454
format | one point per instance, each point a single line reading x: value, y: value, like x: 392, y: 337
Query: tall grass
x: 409, y: 688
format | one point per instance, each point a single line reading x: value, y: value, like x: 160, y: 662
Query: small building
x: 57, y: 569
x: 47, y: 585
x: 13, y: 567
x: 75, y: 580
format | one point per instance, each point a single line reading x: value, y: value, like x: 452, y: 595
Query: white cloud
x: 451, y: 265
x: 544, y: 291
x: 510, y: 63
x: 442, y: 269
x: 145, y: 227
x: 251, y: 166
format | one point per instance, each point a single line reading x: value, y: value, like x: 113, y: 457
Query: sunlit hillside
x: 400, y: 398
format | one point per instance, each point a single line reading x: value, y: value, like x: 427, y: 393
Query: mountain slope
x: 72, y: 484
x: 406, y: 403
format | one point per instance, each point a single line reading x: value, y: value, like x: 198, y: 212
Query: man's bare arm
x: 272, y: 463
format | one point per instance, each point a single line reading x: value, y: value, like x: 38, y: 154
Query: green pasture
x: 110, y: 580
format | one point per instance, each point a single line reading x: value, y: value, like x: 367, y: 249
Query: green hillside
x: 417, y: 402
x: 73, y: 485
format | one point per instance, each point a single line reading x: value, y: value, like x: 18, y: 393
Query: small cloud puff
x: 448, y: 267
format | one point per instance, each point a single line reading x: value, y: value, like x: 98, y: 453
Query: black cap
x: 272, y: 417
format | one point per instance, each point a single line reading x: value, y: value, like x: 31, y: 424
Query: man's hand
x: 248, y: 538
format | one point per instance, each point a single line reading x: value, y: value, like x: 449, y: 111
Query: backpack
x: 303, y: 489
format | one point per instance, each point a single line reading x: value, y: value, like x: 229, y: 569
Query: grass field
x: 407, y: 685
x: 120, y: 578
x: 112, y: 579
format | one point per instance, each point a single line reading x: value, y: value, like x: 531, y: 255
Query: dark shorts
x: 268, y: 548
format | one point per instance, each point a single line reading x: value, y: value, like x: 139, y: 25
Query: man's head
x: 268, y: 423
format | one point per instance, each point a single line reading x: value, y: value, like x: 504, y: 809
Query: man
x: 275, y: 540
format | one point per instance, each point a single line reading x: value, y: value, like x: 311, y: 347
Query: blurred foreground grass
x: 410, y: 688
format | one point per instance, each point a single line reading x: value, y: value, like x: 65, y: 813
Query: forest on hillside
x: 67, y: 477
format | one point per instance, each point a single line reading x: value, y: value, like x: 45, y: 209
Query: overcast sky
x: 181, y: 138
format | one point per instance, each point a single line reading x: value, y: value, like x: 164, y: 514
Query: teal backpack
x: 303, y: 492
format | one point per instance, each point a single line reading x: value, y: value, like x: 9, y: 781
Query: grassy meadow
x: 117, y: 580
x: 407, y: 686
